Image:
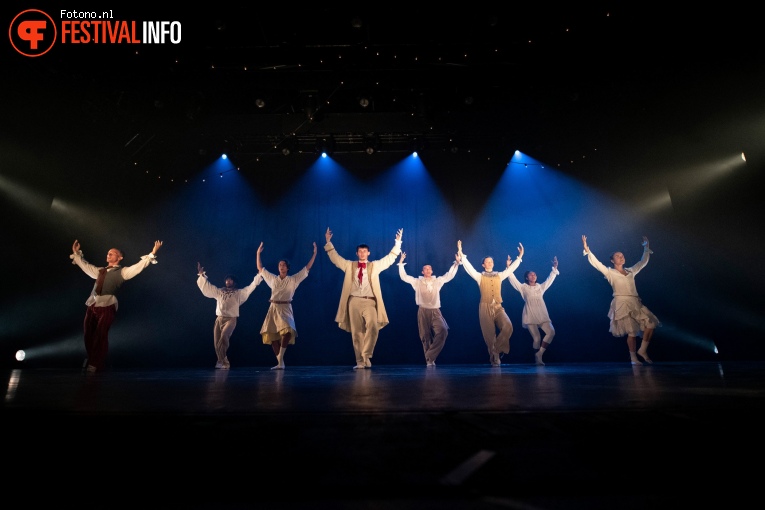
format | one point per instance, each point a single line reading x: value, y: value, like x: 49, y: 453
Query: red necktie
x: 100, y: 280
x: 362, y: 265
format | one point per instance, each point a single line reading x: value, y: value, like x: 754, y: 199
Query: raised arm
x: 512, y: 265
x: 157, y: 246
x: 469, y: 269
x: 313, y: 257
x: 402, y: 272
x: 257, y: 257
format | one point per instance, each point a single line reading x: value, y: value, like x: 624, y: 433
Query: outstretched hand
x: 328, y: 234
x: 584, y: 243
x: 399, y: 234
x: 645, y: 241
x: 520, y: 250
x: 260, y: 248
x: 555, y: 262
x: 314, y: 247
x: 200, y: 269
x: 75, y: 246
x: 157, y: 246
x: 403, y: 256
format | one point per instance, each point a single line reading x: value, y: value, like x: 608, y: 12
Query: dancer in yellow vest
x: 491, y: 313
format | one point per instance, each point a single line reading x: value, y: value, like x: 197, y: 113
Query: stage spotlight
x: 371, y: 143
x: 417, y: 144
x: 364, y: 101
x: 260, y: 103
x: 325, y: 145
x: 20, y: 355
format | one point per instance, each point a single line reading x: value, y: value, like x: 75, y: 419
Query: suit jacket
x: 351, y: 268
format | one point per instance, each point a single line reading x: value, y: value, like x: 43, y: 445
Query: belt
x: 366, y: 297
x: 280, y: 302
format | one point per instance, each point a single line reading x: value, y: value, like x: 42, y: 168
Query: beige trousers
x: 492, y: 317
x: 364, y: 327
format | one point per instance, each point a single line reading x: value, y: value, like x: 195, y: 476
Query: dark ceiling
x: 553, y: 82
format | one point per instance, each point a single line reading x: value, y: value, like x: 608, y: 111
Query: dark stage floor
x: 581, y: 436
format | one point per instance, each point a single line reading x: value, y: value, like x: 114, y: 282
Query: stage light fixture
x: 288, y: 145
x: 325, y: 145
x: 371, y: 143
x: 310, y: 105
x: 417, y: 144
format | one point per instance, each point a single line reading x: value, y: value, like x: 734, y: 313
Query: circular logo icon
x: 32, y: 33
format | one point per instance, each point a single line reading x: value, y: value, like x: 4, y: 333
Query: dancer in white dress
x: 628, y: 316
x: 279, y: 329
x: 535, y: 315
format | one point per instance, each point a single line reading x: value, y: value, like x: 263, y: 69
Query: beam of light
x: 687, y: 181
x: 698, y: 176
x: 701, y: 342
x: 30, y: 201
x: 661, y: 202
x: 63, y: 347
x: 13, y: 384
x: 82, y: 219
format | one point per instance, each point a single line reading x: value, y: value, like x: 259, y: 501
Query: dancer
x: 491, y: 314
x: 361, y: 310
x: 535, y: 316
x: 628, y: 316
x: 102, y: 303
x: 229, y: 298
x: 278, y: 329
x: 431, y: 325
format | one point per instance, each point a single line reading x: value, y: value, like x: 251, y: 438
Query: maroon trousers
x: 98, y: 320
